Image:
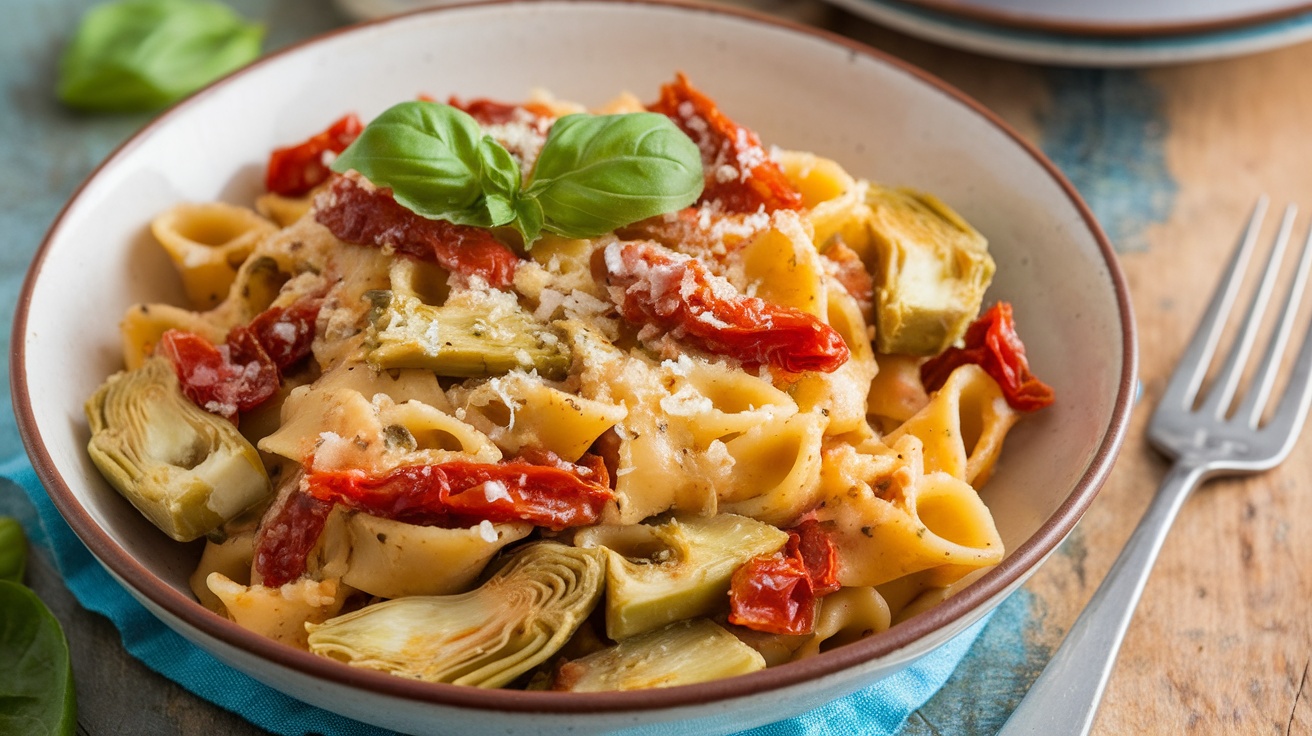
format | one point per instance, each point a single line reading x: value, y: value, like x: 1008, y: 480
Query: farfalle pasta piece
x: 890, y: 519
x: 963, y: 426
x: 208, y: 243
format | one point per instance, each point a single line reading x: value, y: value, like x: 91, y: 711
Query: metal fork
x: 1206, y: 439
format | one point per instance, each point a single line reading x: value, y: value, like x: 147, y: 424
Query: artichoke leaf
x: 185, y: 469
x: 472, y: 335
x: 931, y: 269
x: 523, y: 614
x: 677, y: 570
x: 682, y: 653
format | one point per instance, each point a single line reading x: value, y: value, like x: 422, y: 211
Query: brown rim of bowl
x: 953, y: 610
x: 1055, y: 25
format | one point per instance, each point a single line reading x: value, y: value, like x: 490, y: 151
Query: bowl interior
x: 799, y: 90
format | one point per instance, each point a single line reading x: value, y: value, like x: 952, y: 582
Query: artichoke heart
x: 683, y: 653
x: 187, y: 470
x: 487, y: 637
x: 677, y: 570
x: 931, y: 270
x: 472, y: 335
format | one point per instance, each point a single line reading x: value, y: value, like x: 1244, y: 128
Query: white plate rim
x: 1102, y: 51
x: 1095, y: 19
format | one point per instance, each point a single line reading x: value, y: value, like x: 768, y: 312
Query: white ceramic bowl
x: 799, y: 88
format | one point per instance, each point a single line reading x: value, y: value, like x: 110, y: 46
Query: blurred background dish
x: 369, y: 9
x: 1010, y: 41
x: 1128, y: 17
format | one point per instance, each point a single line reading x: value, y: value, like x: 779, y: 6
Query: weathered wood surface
x: 1171, y: 160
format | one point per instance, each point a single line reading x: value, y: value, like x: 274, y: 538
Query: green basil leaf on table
x: 434, y: 159
x: 13, y: 550
x: 599, y: 172
x: 36, y: 681
x: 134, y: 55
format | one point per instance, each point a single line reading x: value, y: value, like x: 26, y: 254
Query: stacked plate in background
x: 1104, y: 33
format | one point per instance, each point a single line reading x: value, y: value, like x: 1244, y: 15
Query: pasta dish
x: 527, y: 395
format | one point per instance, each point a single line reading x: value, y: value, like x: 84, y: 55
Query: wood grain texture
x: 1171, y: 159
x: 1223, y: 637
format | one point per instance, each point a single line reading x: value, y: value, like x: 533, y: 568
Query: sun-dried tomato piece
x: 992, y: 343
x: 288, y: 532
x: 226, y: 379
x: 287, y: 333
x: 492, y: 112
x: 773, y: 593
x: 776, y: 593
x: 809, y: 542
x: 246, y: 370
x: 372, y: 217
x: 740, y: 174
x: 295, y: 170
x: 552, y: 493
x: 653, y: 285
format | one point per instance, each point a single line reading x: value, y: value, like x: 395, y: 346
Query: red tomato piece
x: 811, y: 544
x: 226, y: 379
x: 777, y: 593
x: 773, y: 593
x: 739, y: 172
x: 287, y: 333
x: 246, y: 370
x: 556, y: 495
x: 295, y: 170
x: 492, y: 112
x: 678, y: 294
x: 992, y: 343
x: 288, y: 532
x: 372, y: 217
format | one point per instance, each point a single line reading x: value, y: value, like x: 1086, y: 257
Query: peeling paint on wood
x: 1106, y: 130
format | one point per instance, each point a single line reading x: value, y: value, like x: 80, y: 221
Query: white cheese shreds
x: 686, y: 402
x: 332, y: 450
x: 495, y: 490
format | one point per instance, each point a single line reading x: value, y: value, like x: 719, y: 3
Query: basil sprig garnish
x: 133, y: 55
x: 594, y: 173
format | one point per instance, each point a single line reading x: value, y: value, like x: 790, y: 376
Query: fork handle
x: 1064, y: 699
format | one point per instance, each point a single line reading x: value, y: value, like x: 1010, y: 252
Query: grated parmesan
x: 495, y: 490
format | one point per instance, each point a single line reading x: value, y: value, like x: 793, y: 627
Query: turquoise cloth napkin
x: 881, y: 708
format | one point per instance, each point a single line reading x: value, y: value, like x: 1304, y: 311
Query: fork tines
x: 1183, y: 390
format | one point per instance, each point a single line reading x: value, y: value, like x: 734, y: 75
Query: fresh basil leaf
x: 36, y: 681
x: 528, y: 219
x: 599, y: 172
x: 501, y: 181
x: 500, y: 172
x: 13, y: 550
x: 133, y: 55
x: 437, y: 163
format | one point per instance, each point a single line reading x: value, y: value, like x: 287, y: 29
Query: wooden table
x: 1171, y: 159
